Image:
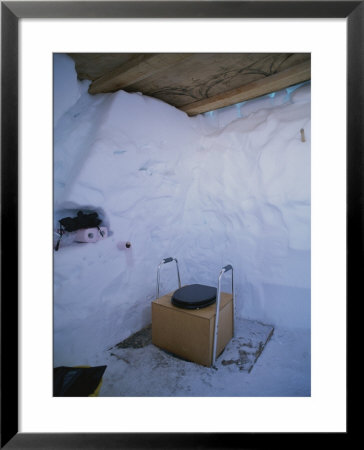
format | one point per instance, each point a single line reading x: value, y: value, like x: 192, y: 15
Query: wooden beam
x: 296, y: 74
x: 137, y: 69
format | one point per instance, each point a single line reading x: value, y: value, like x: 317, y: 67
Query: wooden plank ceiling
x: 193, y: 82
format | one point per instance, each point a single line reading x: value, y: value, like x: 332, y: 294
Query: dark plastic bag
x: 81, y: 221
x: 76, y: 381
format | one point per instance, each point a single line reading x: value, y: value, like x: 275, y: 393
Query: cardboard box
x: 189, y: 333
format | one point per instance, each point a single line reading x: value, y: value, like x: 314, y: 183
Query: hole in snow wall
x: 72, y: 211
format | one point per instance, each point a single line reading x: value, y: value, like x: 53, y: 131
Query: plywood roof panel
x: 193, y: 82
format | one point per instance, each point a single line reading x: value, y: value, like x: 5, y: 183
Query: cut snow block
x: 189, y: 333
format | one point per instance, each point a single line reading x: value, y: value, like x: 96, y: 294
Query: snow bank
x: 67, y: 90
x: 232, y: 186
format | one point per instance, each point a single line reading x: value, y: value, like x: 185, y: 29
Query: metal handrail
x: 218, y: 297
x: 165, y: 261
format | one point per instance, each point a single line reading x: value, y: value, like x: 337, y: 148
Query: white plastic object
x: 91, y: 234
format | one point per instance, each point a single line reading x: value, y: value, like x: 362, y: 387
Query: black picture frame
x: 11, y: 12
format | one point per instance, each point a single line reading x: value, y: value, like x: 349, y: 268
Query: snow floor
x: 282, y: 369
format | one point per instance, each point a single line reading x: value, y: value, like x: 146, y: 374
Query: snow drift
x: 227, y: 187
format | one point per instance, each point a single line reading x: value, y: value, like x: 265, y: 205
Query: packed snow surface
x: 282, y: 369
x: 227, y: 187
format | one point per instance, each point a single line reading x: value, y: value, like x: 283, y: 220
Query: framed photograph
x: 39, y: 39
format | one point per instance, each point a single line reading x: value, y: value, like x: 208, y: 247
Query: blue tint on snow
x: 119, y: 152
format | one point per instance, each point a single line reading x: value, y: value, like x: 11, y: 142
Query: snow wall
x: 227, y: 187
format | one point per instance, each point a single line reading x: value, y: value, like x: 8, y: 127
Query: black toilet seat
x: 194, y: 296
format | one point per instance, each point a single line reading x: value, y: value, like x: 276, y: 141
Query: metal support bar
x: 165, y: 261
x: 218, y: 297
